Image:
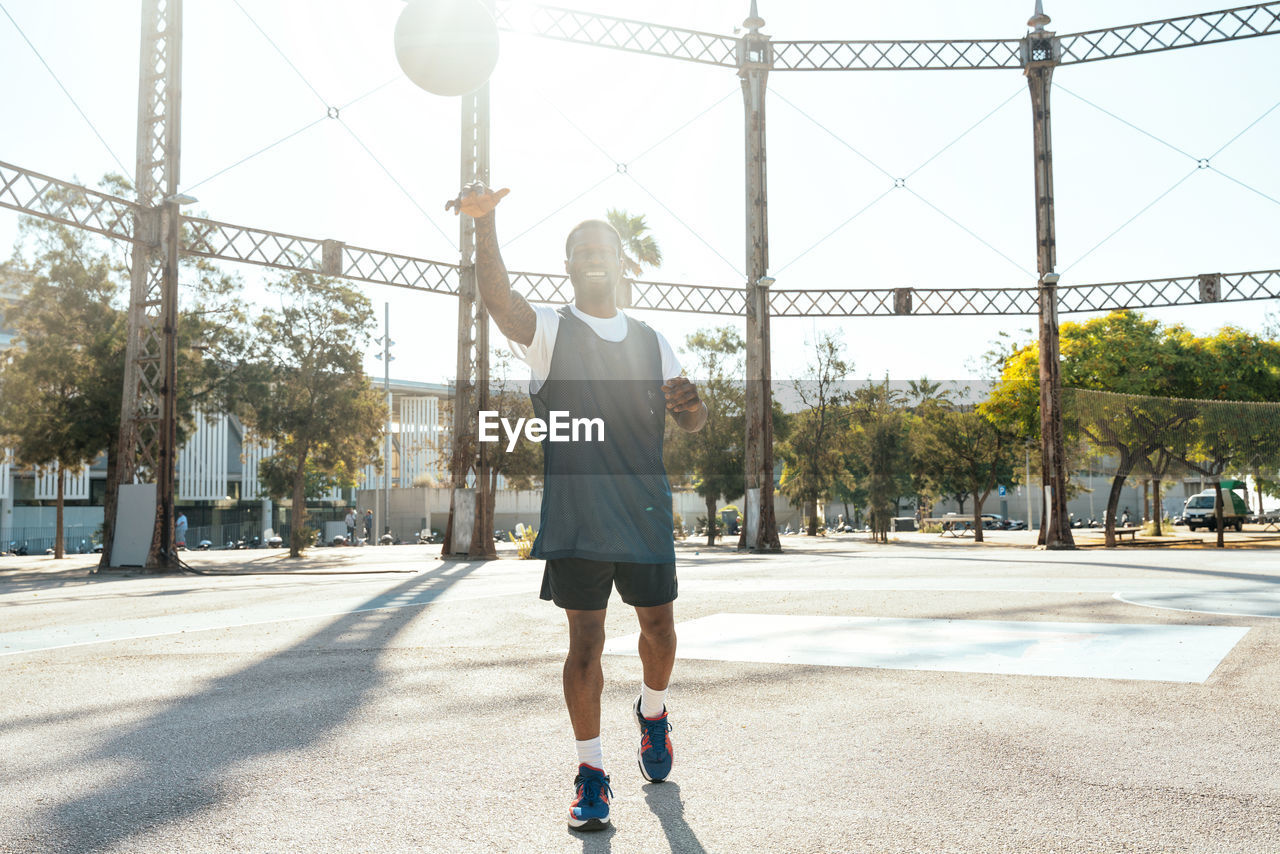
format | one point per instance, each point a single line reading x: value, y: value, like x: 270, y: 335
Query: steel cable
x: 900, y: 183
x: 123, y: 169
x: 290, y: 136
x: 330, y: 113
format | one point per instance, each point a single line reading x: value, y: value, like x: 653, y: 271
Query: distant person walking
x: 351, y: 526
x: 180, y: 531
x: 368, y: 525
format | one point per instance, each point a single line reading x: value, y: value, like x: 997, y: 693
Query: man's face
x: 594, y: 265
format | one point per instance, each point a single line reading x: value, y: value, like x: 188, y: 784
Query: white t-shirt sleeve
x: 538, y: 354
x: 670, y: 364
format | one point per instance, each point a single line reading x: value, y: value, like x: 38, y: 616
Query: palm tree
x: 926, y: 391
x: 639, y: 250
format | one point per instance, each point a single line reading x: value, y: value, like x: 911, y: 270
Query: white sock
x: 590, y: 752
x: 651, y: 702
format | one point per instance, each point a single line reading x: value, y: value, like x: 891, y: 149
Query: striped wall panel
x: 202, y: 462
x: 253, y: 452
x: 419, y: 432
x: 74, y: 488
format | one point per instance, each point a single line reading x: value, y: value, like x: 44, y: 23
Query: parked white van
x: 1198, y: 511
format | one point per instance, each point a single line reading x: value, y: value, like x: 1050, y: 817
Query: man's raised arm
x: 510, y: 310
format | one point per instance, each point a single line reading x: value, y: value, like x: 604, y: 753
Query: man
x: 350, y: 522
x: 606, y: 505
x: 368, y: 526
x: 180, y: 531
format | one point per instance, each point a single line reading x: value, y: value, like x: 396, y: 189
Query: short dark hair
x: 589, y: 225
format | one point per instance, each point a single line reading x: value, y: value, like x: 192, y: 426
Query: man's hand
x: 512, y: 312
x: 476, y: 200
x: 684, y: 404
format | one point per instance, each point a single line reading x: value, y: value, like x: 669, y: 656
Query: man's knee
x: 658, y: 625
x: 586, y: 638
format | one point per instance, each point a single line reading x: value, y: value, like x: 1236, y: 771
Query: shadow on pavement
x: 664, y: 801
x: 595, y: 841
x: 182, y: 760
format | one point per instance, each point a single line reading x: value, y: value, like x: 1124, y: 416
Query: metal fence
x: 238, y: 532
x: 38, y: 540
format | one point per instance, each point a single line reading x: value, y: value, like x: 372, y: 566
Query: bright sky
x: 564, y: 116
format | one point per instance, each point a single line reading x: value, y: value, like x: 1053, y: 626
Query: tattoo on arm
x: 510, y: 310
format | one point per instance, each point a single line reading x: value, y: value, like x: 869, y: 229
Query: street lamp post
x: 384, y: 523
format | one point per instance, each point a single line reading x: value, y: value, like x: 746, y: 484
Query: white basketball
x: 448, y: 47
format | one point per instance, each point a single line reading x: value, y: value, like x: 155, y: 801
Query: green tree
x: 1123, y: 353
x: 928, y: 402
x: 881, y: 449
x: 814, y: 449
x: 310, y: 395
x: 1233, y: 365
x: 711, y: 460
x: 1137, y: 385
x: 68, y: 355
x: 973, y: 455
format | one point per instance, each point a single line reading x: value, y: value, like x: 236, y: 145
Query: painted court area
x: 915, y: 697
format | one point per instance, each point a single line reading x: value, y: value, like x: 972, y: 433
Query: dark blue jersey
x: 605, y: 497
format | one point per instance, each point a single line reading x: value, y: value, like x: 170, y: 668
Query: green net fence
x: 1158, y: 453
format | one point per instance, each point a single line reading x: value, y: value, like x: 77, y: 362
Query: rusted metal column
x: 760, y: 531
x: 1040, y: 54
x: 148, y: 422
x: 469, y: 532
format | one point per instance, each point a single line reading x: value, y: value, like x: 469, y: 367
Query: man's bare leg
x: 657, y: 644
x: 583, y: 675
x: 657, y: 655
x: 583, y: 682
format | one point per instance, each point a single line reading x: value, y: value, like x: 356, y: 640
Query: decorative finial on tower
x: 753, y: 22
x: 1039, y: 19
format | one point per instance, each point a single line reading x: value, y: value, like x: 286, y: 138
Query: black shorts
x: 584, y: 585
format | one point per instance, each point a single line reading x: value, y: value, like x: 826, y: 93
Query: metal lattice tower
x: 469, y: 531
x: 1039, y: 56
x: 148, y: 428
x: 759, y: 531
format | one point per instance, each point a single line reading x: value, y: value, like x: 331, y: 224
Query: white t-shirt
x: 538, y: 354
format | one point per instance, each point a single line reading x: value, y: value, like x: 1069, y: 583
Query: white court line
x: 1251, y: 601
x: 1086, y: 650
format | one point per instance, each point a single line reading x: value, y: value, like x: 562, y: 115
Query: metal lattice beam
x: 887, y: 55
x: 227, y: 242
x: 1207, y: 28
x: 619, y: 33
x: 1111, y: 296
x: 895, y: 55
x: 38, y: 195
x: 70, y: 204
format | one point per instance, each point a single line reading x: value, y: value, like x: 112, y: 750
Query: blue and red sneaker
x: 590, y: 807
x: 655, y: 753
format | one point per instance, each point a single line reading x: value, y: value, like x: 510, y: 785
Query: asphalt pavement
x: 920, y: 696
